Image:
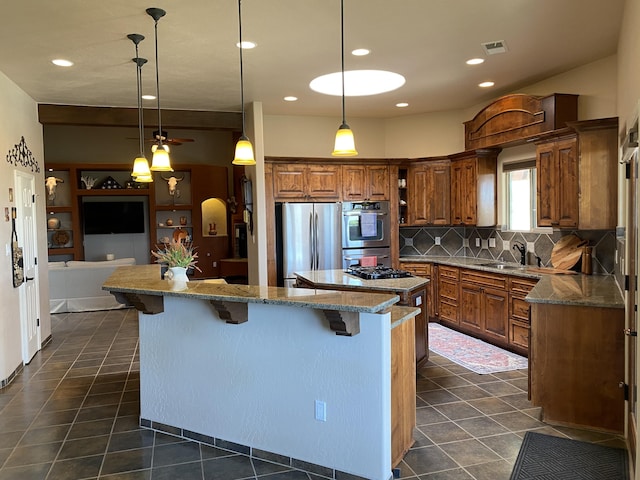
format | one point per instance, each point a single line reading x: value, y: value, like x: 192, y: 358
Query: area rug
x: 544, y: 457
x: 476, y: 355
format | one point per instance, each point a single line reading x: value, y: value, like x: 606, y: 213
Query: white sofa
x: 76, y: 286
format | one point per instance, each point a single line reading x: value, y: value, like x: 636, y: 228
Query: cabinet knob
x: 630, y: 333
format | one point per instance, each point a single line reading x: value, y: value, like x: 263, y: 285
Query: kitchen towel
x: 369, y: 224
x: 369, y: 261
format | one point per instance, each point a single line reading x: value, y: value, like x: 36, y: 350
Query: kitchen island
x: 411, y: 290
x: 295, y: 376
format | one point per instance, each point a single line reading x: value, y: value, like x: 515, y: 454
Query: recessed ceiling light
x: 475, y: 61
x: 247, y: 45
x: 402, y: 104
x: 486, y: 84
x: 290, y: 98
x: 61, y: 62
x: 357, y: 83
x: 360, y: 52
x: 148, y: 97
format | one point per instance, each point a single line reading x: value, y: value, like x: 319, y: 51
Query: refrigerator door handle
x: 311, y: 241
x: 316, y: 240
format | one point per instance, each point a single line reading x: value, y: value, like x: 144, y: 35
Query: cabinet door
x: 567, y: 184
x: 464, y: 192
x: 322, y: 181
x: 417, y: 185
x: 439, y: 194
x: 496, y: 314
x: 471, y: 308
x: 353, y: 182
x: 422, y: 335
x: 289, y: 181
x: 377, y: 182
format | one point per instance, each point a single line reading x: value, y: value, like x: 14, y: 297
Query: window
x: 521, y: 195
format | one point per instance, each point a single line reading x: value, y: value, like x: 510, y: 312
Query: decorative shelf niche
x: 214, y: 218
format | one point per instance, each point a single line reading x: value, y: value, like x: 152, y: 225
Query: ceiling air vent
x: 492, y: 48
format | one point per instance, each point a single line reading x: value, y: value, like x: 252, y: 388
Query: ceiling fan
x: 166, y: 139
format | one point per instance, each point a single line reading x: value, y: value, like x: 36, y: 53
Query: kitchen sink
x: 502, y: 266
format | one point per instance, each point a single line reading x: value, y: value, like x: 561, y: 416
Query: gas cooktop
x: 377, y: 273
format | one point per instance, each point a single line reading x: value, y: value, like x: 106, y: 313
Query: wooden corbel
x: 231, y: 312
x: 343, y: 323
x: 149, y: 304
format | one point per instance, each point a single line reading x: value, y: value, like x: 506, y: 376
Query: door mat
x: 476, y: 355
x: 544, y: 457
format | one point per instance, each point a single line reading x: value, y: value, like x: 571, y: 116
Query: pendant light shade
x: 160, y: 161
x: 141, y: 172
x: 345, y: 145
x: 244, y: 149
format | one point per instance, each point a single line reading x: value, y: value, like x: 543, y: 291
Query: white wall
x: 256, y: 383
x: 19, y: 118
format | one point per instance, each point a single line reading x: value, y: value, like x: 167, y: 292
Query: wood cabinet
x: 306, y: 181
x: 473, y: 188
x: 428, y: 192
x: 577, y: 172
x: 448, y: 295
x: 365, y: 182
x: 557, y: 183
x: 519, y: 314
x: 484, y: 305
x: 576, y: 363
x: 424, y: 270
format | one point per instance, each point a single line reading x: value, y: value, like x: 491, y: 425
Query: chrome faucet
x: 523, y: 251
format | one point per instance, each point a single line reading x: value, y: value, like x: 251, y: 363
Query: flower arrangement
x: 177, y: 254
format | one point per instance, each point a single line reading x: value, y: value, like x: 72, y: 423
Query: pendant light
x: 244, y: 149
x: 141, y: 172
x: 345, y: 144
x: 160, y: 161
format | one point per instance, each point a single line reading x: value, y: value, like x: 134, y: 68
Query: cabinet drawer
x: 521, y: 286
x: 448, y: 311
x: 419, y: 269
x: 449, y: 272
x: 520, y: 309
x: 484, y: 279
x: 448, y: 290
x: 519, y: 335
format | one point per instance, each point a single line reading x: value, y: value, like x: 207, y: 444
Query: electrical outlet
x: 492, y: 243
x: 437, y: 240
x: 321, y: 411
x: 531, y: 247
x: 477, y: 242
x: 215, y: 264
x: 505, y: 245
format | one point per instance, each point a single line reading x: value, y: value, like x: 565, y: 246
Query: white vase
x: 177, y: 278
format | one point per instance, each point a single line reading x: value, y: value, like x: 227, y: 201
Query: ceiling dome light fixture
x: 358, y: 83
x: 161, y: 161
x: 141, y: 172
x: 290, y: 98
x: 360, y: 52
x: 344, y: 145
x: 402, y: 104
x: 244, y: 149
x: 61, y: 62
x: 246, y: 44
x: 486, y: 84
x: 475, y: 61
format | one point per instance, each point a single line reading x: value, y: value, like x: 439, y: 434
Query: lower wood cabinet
x: 424, y: 270
x: 519, y: 314
x: 484, y: 305
x: 448, y: 295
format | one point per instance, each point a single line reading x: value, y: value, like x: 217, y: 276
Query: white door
x: 28, y: 240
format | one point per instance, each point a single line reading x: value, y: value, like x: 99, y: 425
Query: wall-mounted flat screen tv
x: 113, y: 217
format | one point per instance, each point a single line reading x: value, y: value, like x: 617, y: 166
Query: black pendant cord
x: 158, y: 87
x: 344, y: 119
x: 241, y: 68
x: 139, y: 63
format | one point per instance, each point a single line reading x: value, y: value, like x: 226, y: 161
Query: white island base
x: 256, y: 384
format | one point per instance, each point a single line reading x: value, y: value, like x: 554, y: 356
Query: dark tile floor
x: 72, y: 414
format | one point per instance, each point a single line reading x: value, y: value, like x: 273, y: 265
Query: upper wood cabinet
x: 557, y: 183
x: 473, y: 188
x: 306, y: 181
x: 365, y: 182
x: 577, y: 177
x: 428, y: 186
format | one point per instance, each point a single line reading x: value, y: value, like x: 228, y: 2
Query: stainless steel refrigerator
x: 308, y: 237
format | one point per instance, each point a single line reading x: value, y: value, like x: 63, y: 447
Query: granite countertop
x: 145, y: 280
x: 338, y: 278
x: 579, y: 289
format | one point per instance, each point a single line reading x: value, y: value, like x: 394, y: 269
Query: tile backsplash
x: 498, y: 245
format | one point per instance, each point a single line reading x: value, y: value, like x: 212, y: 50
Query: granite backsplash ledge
x: 498, y: 245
